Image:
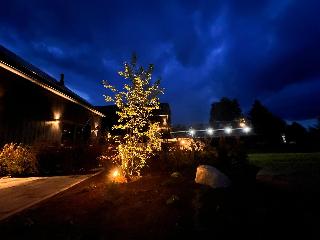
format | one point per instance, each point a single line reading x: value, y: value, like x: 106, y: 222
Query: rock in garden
x: 172, y: 200
x: 176, y: 175
x: 212, y: 177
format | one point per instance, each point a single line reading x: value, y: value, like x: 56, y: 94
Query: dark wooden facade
x: 35, y: 108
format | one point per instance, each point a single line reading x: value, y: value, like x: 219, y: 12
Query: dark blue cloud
x: 203, y: 50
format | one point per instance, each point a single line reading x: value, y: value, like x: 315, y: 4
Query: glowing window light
x: 165, y: 121
x: 210, y: 131
x: 228, y: 130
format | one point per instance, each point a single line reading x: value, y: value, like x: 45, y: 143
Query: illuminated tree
x: 136, y: 101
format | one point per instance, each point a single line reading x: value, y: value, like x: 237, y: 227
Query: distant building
x: 36, y: 108
x: 161, y: 115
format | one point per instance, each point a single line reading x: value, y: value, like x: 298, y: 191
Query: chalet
x: 36, y: 108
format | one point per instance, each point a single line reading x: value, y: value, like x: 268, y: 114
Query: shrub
x: 185, y: 153
x: 17, y: 160
x: 180, y: 159
x: 209, y: 156
x: 233, y: 161
x: 231, y: 154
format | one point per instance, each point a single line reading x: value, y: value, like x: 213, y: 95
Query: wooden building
x: 36, y: 108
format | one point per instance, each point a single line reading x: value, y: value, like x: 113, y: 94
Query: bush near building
x: 18, y: 160
x: 22, y: 160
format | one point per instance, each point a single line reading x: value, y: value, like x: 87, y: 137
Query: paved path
x: 17, y: 194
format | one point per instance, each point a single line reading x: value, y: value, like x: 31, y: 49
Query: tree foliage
x: 296, y: 133
x: 225, y: 110
x: 17, y: 160
x: 265, y: 124
x: 136, y: 101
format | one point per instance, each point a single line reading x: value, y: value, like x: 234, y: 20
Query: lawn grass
x: 301, y: 162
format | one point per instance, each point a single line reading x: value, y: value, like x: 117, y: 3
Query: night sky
x: 202, y: 50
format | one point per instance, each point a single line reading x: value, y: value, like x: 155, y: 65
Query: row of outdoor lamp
x: 227, y: 130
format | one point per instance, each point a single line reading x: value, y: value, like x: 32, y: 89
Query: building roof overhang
x: 53, y: 87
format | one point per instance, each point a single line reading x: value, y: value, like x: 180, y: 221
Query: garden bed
x: 159, y: 206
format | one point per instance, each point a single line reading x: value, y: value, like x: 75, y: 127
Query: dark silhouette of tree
x: 179, y: 127
x: 314, y: 135
x: 296, y: 133
x: 224, y: 111
x: 266, y: 126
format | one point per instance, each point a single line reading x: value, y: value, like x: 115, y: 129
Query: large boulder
x: 212, y: 177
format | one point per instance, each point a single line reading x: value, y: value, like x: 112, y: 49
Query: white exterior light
x: 210, y: 131
x: 227, y: 130
x: 284, y: 138
x: 246, y: 129
x: 192, y: 132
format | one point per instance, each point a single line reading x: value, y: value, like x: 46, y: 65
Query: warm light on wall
x: 55, y: 124
x: 56, y: 115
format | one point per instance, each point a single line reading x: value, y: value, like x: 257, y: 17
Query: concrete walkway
x: 17, y: 194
